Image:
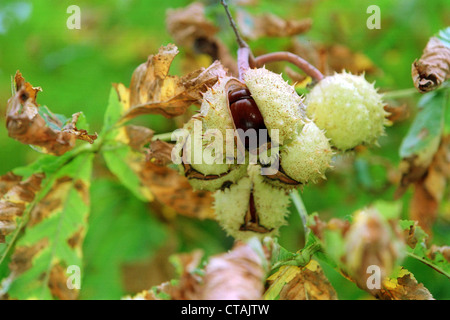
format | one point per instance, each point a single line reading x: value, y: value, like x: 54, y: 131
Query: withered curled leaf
x: 190, y: 29
x: 154, y: 91
x: 160, y: 152
x: 270, y: 25
x: 186, y: 25
x: 31, y: 124
x: 433, y: 67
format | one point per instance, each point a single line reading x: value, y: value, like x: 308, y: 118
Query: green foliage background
x: 76, y: 68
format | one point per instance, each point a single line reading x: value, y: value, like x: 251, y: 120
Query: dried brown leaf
x: 270, y: 25
x: 397, y: 113
x: 154, y: 91
x: 15, y: 199
x: 191, y: 29
x: 160, y: 152
x: 27, y: 125
x: 138, y: 136
x: 333, y: 58
x: 429, y: 186
x: 433, y: 68
x: 175, y: 191
x: 186, y: 25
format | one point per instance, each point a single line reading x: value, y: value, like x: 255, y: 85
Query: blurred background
x: 127, y: 248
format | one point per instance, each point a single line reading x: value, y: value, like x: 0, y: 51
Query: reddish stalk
x: 304, y: 65
x: 245, y: 58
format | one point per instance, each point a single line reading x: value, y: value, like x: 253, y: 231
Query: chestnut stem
x: 304, y: 65
x: 243, y: 60
x: 300, y: 206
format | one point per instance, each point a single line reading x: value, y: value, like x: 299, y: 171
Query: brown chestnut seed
x: 245, y: 113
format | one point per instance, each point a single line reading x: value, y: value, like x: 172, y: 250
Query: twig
x: 304, y: 65
x: 240, y: 41
x: 245, y: 57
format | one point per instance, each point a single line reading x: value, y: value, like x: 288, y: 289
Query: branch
x: 240, y: 41
x: 304, y: 65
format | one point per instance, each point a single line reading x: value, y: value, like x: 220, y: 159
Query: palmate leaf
x: 119, y: 156
x: 53, y: 235
x: 424, y: 135
x: 21, y: 195
x: 121, y: 231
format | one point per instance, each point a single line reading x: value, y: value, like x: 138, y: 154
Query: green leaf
x: 426, y: 130
x: 47, y: 164
x: 120, y: 158
x: 52, y: 239
x: 419, y: 250
x: 114, y: 110
x: 121, y: 230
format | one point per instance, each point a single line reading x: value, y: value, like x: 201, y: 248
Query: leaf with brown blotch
x: 433, y: 67
x: 403, y: 287
x: 270, y: 25
x: 175, y: 191
x: 34, y: 125
x: 430, y: 187
x: 190, y: 28
x: 300, y: 283
x: 52, y: 237
x: 15, y: 196
x: 444, y: 250
x: 7, y: 181
x: 154, y: 91
x: 236, y: 275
